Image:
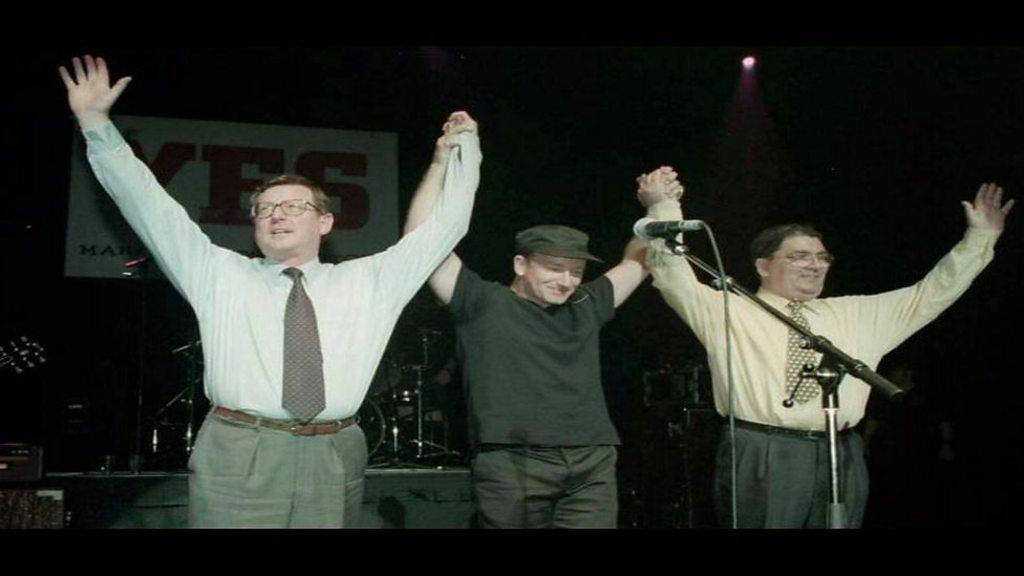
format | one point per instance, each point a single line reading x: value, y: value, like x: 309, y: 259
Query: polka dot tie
x: 303, y: 377
x: 797, y: 356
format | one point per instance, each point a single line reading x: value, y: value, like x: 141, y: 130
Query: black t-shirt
x: 532, y: 375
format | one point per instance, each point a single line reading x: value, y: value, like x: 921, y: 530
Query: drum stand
x: 439, y: 449
x: 436, y: 450
x: 192, y: 353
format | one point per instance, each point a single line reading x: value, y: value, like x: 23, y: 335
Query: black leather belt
x: 816, y: 434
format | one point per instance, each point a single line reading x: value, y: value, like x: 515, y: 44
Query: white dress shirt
x: 239, y: 301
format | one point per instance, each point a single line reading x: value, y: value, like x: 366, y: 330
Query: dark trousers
x: 546, y: 487
x: 782, y: 480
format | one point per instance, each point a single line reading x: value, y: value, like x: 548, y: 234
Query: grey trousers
x: 243, y: 476
x: 546, y: 487
x: 782, y: 480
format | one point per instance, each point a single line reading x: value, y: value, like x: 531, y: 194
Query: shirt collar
x: 779, y: 303
x: 272, y: 269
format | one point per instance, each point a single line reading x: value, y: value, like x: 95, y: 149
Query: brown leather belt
x: 312, y: 429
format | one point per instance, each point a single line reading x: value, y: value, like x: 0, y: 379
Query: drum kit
x: 174, y: 424
x: 403, y: 415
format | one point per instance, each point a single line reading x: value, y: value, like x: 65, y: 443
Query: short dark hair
x: 319, y: 196
x: 768, y: 241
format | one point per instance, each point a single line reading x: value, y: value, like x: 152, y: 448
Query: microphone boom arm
x: 854, y: 367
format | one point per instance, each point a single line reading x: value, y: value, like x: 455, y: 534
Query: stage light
x: 749, y: 62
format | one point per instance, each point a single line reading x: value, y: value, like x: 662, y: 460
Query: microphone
x: 649, y: 228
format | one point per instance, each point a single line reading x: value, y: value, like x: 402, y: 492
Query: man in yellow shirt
x: 781, y: 458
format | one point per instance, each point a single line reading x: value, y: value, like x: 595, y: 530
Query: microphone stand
x: 138, y: 268
x: 833, y: 366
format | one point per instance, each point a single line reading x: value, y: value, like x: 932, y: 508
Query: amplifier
x: 21, y: 463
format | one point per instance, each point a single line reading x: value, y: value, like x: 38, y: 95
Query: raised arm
x: 696, y: 303
x: 442, y: 280
x: 653, y: 187
x: 180, y: 248
x: 896, y: 315
x: 440, y: 212
x: 425, y: 198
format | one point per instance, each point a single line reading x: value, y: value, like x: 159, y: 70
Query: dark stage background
x: 874, y: 145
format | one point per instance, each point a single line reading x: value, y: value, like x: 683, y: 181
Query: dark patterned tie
x: 797, y: 356
x: 303, y: 375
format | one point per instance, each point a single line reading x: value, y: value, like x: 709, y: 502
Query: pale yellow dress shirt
x: 865, y: 327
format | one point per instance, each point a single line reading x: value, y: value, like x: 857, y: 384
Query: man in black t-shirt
x: 545, y: 446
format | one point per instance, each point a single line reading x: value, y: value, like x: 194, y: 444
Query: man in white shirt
x: 290, y: 343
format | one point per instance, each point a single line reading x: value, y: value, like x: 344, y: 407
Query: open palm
x: 90, y: 94
x: 988, y: 210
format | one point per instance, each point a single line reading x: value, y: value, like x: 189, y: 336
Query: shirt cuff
x: 981, y: 236
x: 667, y: 209
x: 104, y: 139
x: 470, y: 143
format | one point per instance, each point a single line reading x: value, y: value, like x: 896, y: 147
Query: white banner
x: 210, y: 168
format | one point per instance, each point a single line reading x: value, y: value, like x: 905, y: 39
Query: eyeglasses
x: 295, y: 207
x: 803, y: 259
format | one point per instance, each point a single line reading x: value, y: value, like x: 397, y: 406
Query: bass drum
x: 371, y: 420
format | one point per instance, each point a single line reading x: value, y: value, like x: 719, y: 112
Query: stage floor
x: 394, y: 498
